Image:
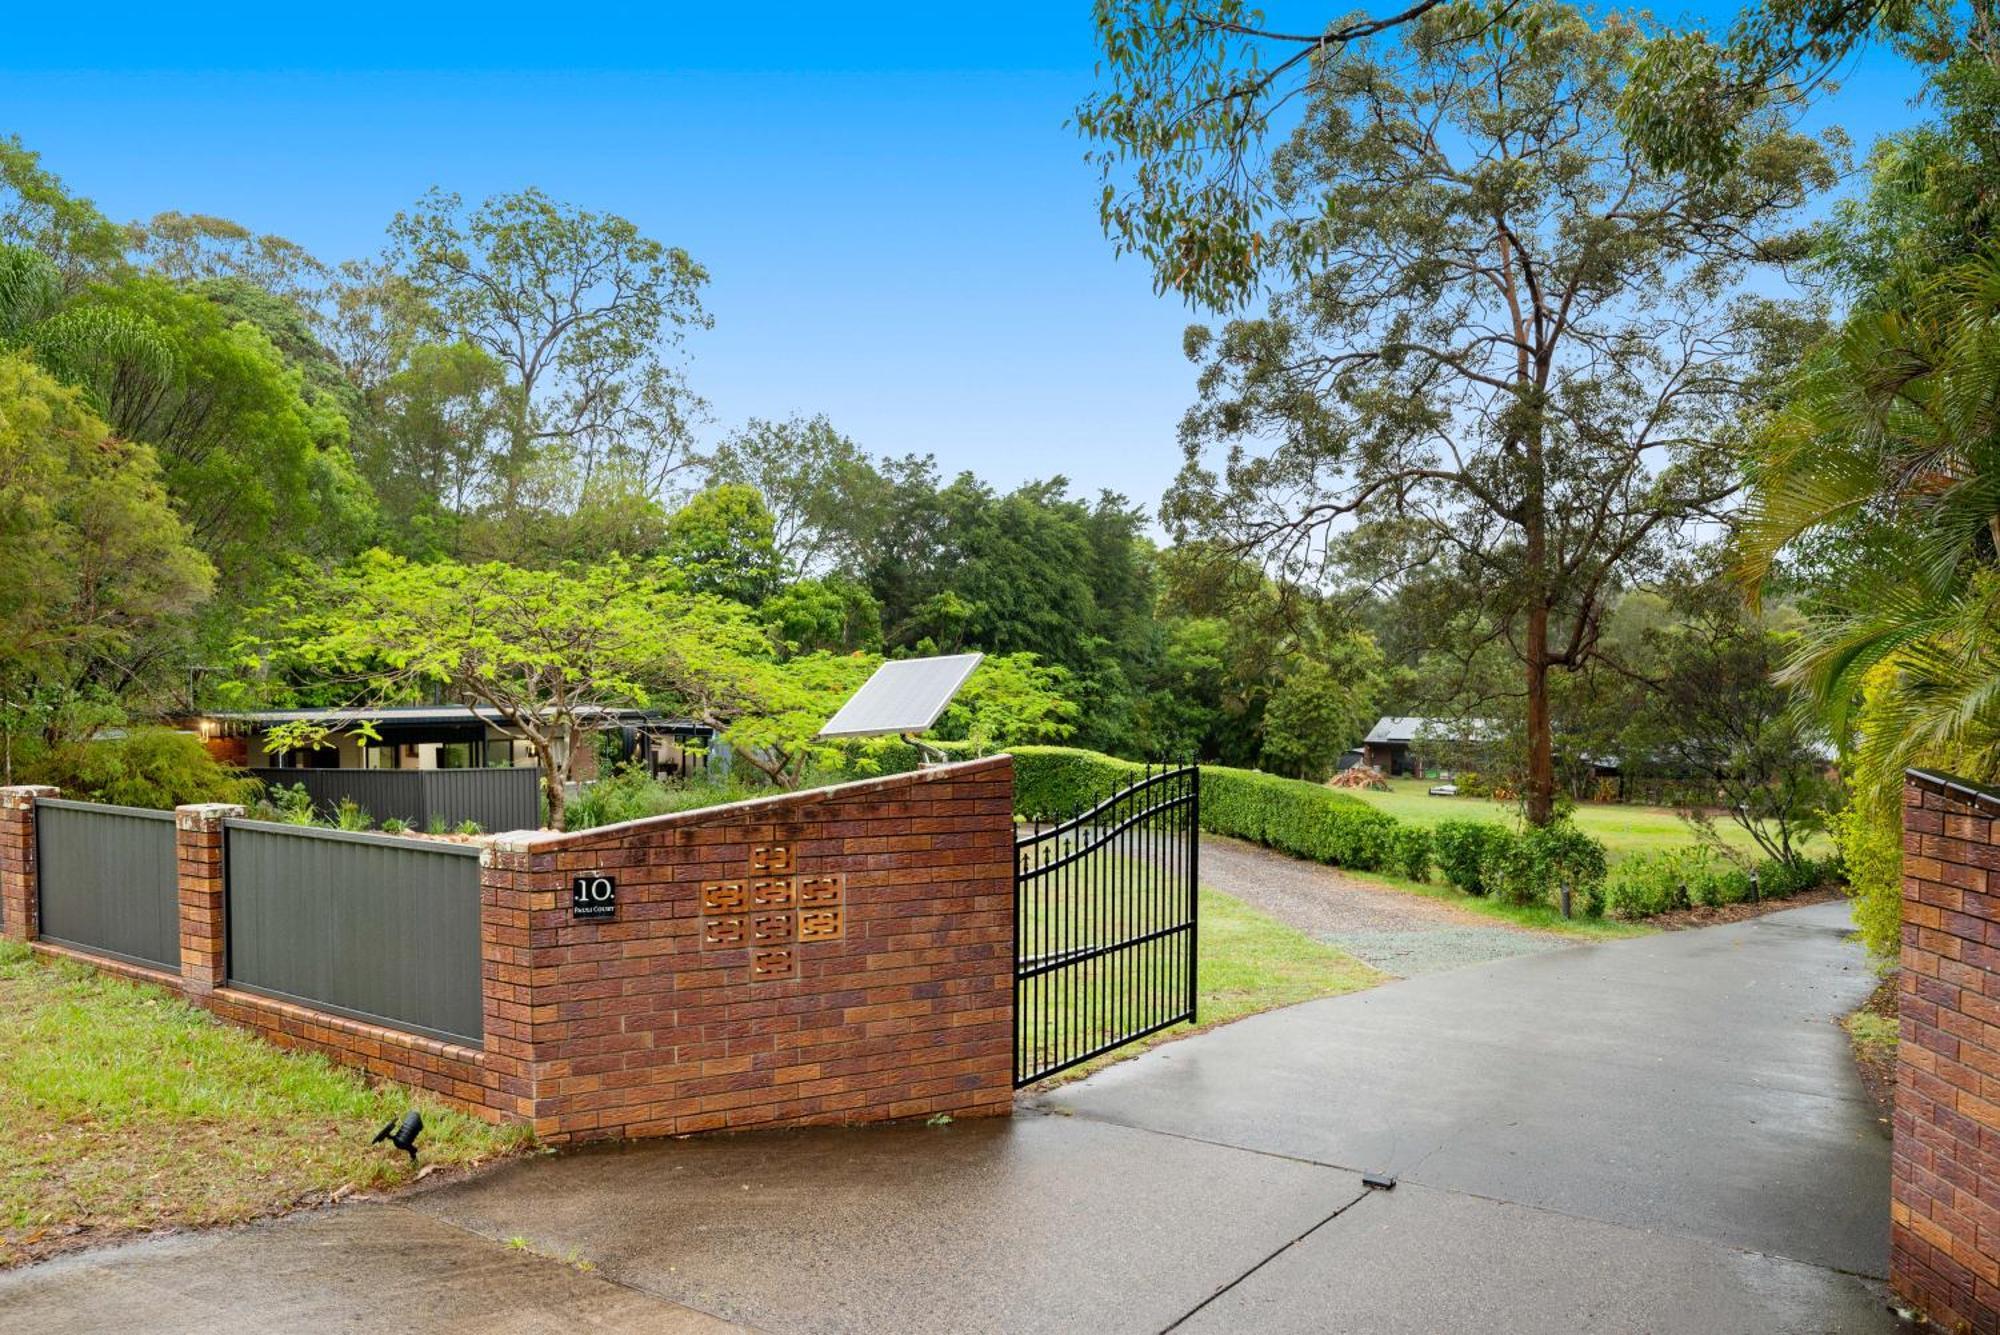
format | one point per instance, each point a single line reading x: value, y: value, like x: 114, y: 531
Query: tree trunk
x: 545, y: 758
x: 1541, y: 784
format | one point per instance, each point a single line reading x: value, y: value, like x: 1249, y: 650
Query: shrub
x: 1646, y: 884
x: 1779, y: 880
x: 1410, y: 852
x: 471, y: 827
x: 395, y: 825
x: 1460, y: 846
x: 148, y: 767
x: 350, y: 815
x: 631, y: 794
x: 289, y: 803
x: 1533, y: 866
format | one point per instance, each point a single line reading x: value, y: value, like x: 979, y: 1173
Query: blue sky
x: 901, y: 230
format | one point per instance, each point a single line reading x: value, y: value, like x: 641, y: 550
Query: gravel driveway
x: 1398, y: 933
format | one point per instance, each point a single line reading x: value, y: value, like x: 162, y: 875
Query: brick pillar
x: 198, y: 851
x: 514, y: 882
x: 1944, y: 1210
x: 19, y: 898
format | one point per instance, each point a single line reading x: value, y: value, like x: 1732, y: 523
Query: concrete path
x: 1399, y: 933
x: 1658, y: 1135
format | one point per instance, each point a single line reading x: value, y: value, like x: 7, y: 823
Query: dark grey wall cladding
x: 499, y: 799
x: 107, y: 881
x: 369, y: 926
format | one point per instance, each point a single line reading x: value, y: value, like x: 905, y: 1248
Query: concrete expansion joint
x: 1192, y: 1312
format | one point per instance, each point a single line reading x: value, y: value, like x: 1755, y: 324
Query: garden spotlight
x: 403, y: 1135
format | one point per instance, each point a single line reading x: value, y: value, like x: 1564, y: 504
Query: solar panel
x: 906, y: 695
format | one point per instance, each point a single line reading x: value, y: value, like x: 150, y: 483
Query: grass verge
x: 125, y: 1110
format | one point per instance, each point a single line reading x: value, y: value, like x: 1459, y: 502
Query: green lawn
x: 1623, y: 829
x: 123, y: 1109
x: 1247, y: 962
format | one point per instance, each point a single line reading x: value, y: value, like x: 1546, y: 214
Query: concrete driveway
x: 1657, y: 1135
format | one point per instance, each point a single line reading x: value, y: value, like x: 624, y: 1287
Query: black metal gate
x: 1104, y: 924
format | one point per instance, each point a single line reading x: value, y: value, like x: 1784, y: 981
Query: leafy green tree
x: 823, y: 491
x: 580, y: 308
x: 1320, y: 709
x: 429, y: 445
x: 188, y: 248
x: 836, y: 614
x: 549, y: 650
x: 257, y: 466
x: 37, y: 211
x: 1010, y: 700
x: 1510, y: 348
x: 101, y: 574
x: 723, y: 542
x: 147, y: 767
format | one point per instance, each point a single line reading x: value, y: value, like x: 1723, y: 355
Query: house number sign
x: 772, y: 912
x: 593, y: 898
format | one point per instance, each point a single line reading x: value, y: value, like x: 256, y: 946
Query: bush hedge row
x: 1647, y: 884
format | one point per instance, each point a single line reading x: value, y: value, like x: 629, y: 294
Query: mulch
x: 1680, y: 920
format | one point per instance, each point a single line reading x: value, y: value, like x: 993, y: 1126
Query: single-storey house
x: 429, y: 737
x: 1406, y: 745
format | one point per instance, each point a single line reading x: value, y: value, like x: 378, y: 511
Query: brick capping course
x: 1944, y: 1229
x: 895, y: 999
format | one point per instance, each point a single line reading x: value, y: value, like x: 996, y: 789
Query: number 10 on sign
x: 593, y: 898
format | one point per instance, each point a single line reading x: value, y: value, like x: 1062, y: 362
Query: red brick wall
x: 638, y: 1027
x: 1945, y: 1204
x: 647, y: 1024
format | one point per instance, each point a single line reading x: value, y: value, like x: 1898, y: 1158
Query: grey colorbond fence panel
x: 108, y: 881
x: 368, y: 926
x: 499, y: 799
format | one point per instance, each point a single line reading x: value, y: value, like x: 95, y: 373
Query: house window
x: 454, y: 755
x: 378, y: 757
x: 500, y: 753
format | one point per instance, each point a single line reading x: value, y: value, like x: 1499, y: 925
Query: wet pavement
x: 1663, y: 1134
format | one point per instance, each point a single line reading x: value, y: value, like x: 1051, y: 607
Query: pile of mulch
x: 1679, y: 920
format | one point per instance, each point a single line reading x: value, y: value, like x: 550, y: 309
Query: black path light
x: 403, y: 1135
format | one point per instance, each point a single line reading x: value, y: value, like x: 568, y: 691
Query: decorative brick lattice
x: 775, y: 915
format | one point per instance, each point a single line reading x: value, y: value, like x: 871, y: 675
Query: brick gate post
x: 198, y: 856
x: 19, y: 892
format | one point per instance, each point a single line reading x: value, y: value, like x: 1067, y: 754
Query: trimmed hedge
x: 1291, y: 815
x: 1646, y: 884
